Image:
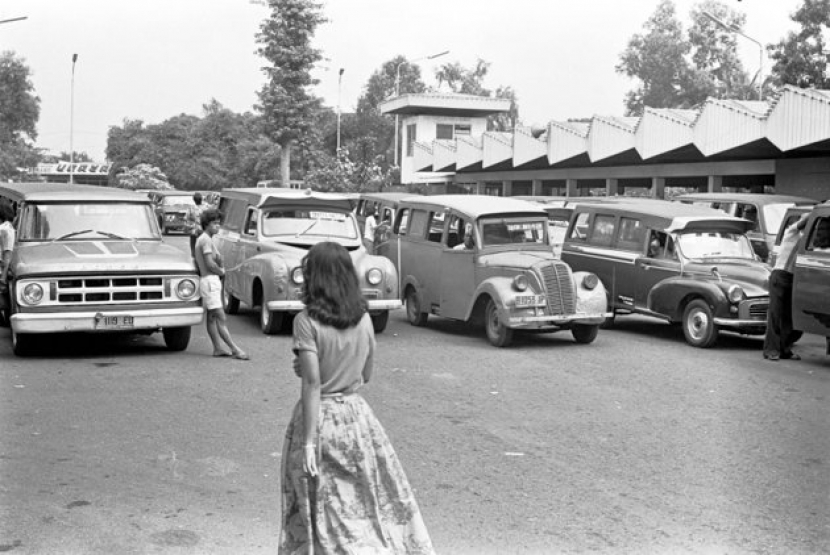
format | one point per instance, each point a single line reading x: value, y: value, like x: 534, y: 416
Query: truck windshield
x: 87, y: 221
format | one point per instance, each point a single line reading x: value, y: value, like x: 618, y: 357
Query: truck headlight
x: 186, y: 288
x: 735, y: 293
x: 297, y: 275
x: 33, y: 293
x: 374, y: 276
x: 520, y: 282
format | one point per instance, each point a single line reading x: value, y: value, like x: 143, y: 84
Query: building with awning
x: 781, y: 146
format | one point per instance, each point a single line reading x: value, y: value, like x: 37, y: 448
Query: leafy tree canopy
x: 19, y: 113
x: 799, y: 59
x: 142, y: 176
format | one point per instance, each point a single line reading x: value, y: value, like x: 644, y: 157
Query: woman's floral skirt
x: 360, y: 502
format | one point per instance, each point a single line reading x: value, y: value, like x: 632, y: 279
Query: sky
x: 151, y: 60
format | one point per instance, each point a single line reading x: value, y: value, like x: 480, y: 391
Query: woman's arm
x: 310, y: 370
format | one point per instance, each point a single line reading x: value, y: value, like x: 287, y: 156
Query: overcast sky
x: 154, y: 59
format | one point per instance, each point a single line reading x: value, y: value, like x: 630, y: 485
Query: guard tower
x: 442, y: 117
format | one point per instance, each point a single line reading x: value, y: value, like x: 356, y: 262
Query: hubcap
x: 698, y: 324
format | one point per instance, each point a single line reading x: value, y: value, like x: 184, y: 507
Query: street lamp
x: 72, y: 123
x: 339, y: 79
x: 737, y: 30
x: 13, y: 19
x: 398, y: 89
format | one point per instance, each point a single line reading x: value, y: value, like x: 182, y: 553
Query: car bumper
x: 739, y: 324
x: 296, y: 306
x: 51, y: 322
x: 557, y: 319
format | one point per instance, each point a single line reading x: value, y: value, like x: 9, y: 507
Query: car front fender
x: 669, y: 297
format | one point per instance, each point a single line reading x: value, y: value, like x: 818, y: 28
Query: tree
x: 381, y: 84
x: 462, y: 80
x: 286, y: 104
x: 799, y: 58
x: 19, y: 113
x: 143, y: 176
x: 657, y: 59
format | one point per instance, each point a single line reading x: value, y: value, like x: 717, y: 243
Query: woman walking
x: 343, y: 488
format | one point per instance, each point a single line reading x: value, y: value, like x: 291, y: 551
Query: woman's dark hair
x: 332, y: 293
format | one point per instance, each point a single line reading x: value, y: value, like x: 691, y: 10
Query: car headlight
x: 520, y: 282
x: 33, y: 293
x: 590, y: 281
x: 186, y: 288
x: 374, y: 276
x: 297, y: 275
x: 735, y: 293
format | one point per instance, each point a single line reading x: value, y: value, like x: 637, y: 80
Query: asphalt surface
x: 636, y: 444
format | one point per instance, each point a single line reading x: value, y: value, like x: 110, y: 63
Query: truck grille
x: 559, y: 288
x: 104, y: 290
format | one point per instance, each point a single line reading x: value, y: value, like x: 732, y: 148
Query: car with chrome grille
x: 488, y: 260
x: 681, y: 263
x: 91, y: 259
x: 266, y: 233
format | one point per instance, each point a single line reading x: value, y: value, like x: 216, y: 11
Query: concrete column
x: 571, y: 189
x: 714, y: 184
x: 507, y: 188
x: 479, y: 187
x: 612, y: 186
x: 536, y: 187
x: 658, y: 187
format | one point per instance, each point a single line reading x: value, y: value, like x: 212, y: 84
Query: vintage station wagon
x: 811, y: 277
x: 684, y: 264
x: 764, y: 211
x: 91, y: 259
x: 171, y: 209
x: 266, y: 233
x: 504, y: 275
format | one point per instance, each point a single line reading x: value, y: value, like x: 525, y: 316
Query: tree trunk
x: 285, y: 164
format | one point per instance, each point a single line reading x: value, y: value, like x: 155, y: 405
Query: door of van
x: 811, y: 283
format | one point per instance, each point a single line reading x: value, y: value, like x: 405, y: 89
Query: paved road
x: 635, y: 444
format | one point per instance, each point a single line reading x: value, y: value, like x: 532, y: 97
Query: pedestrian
x: 194, y: 222
x: 211, y: 270
x: 382, y: 233
x: 369, y: 229
x: 343, y: 487
x: 7, y: 240
x: 779, y: 338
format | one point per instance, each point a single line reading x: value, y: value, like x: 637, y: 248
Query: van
x: 811, y: 276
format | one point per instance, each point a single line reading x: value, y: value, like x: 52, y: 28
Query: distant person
x: 382, y: 233
x: 468, y: 243
x: 7, y: 240
x: 211, y: 270
x: 194, y: 221
x: 779, y: 338
x: 343, y: 488
x: 369, y: 230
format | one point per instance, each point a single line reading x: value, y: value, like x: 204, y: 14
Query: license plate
x: 527, y: 300
x: 114, y: 322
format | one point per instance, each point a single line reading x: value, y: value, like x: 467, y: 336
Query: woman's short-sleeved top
x: 342, y: 354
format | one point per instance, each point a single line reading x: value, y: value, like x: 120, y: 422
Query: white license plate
x: 114, y: 322
x: 527, y: 300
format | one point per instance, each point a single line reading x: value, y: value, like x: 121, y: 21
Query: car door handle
x: 259, y: 249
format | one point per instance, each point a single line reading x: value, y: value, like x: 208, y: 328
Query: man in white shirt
x: 7, y: 240
x: 369, y: 230
x: 778, y: 340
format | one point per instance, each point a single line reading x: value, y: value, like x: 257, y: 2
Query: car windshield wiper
x: 73, y: 234
x: 306, y: 230
x: 113, y: 235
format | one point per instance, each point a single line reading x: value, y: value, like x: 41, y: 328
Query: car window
x: 819, y: 238
x: 299, y: 222
x: 774, y: 215
x: 436, y: 227
x: 233, y: 213
x: 579, y: 232
x: 512, y: 231
x: 86, y: 221
x: 251, y: 221
x: 632, y: 233
x: 403, y: 220
x: 715, y: 244
x: 419, y: 226
x: 602, y: 230
x: 748, y: 212
x: 455, y: 232
x: 170, y: 200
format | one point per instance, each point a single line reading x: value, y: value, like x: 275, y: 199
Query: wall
x: 425, y: 132
x: 805, y: 177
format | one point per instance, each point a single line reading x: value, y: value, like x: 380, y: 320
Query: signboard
x: 83, y: 168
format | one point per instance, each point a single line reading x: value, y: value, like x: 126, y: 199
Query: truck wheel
x: 269, y: 321
x: 176, y: 339
x: 379, y: 321
x: 699, y: 325
x: 229, y: 302
x: 498, y: 334
x: 413, y: 309
x: 584, y: 333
